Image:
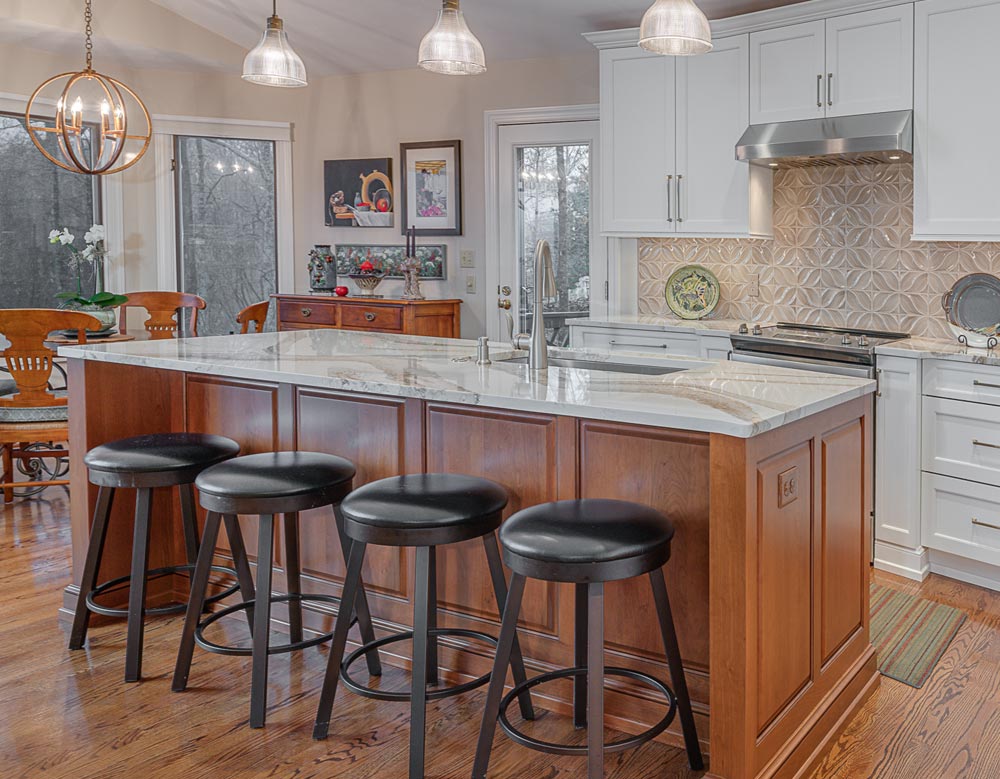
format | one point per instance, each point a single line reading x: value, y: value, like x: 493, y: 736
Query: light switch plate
x: 467, y: 258
x: 470, y: 285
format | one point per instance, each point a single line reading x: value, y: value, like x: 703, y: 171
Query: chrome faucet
x: 545, y: 286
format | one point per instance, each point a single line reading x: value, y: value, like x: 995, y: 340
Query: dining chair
x: 33, y: 417
x: 257, y: 314
x: 165, y: 310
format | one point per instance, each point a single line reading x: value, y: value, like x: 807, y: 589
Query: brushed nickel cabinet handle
x: 829, y: 89
x: 978, y: 383
x: 980, y: 523
x: 819, y: 91
x: 307, y: 312
x: 679, y: 218
x: 613, y: 342
x: 369, y: 317
x: 985, y: 444
x: 878, y: 382
x: 670, y: 208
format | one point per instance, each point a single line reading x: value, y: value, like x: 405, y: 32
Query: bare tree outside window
x: 227, y: 226
x: 35, y: 198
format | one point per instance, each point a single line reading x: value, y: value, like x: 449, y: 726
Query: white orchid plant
x: 93, y: 253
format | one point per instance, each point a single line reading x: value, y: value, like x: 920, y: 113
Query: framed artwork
x: 433, y: 260
x: 432, y: 187
x: 358, y: 193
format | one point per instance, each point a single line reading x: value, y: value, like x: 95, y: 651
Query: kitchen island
x: 764, y: 471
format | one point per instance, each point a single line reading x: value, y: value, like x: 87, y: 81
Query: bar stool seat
x: 144, y: 463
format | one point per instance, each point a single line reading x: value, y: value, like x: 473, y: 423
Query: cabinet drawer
x: 962, y: 440
x: 371, y: 317
x: 962, y: 381
x: 961, y: 517
x: 307, y: 313
x: 684, y: 344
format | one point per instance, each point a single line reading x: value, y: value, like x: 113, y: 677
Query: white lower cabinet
x: 962, y: 518
x: 661, y: 343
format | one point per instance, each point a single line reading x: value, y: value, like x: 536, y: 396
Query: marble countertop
x: 663, y: 324
x: 939, y: 349
x: 715, y: 396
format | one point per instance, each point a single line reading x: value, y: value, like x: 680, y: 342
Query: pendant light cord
x: 88, y: 15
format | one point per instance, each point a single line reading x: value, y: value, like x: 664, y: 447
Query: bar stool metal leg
x: 352, y: 589
x: 580, y: 656
x: 91, y: 568
x: 676, y: 669
x: 189, y: 522
x: 418, y: 699
x: 361, y: 609
x: 432, y: 622
x: 262, y: 621
x: 499, y: 580
x: 290, y: 525
x: 137, y: 585
x: 196, y: 603
x: 595, y: 681
x: 240, y: 563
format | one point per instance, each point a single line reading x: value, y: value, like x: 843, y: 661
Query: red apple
x: 382, y: 205
x: 340, y: 292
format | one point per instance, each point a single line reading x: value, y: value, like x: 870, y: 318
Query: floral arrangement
x: 93, y: 253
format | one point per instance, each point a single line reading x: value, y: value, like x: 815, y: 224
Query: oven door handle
x: 803, y: 363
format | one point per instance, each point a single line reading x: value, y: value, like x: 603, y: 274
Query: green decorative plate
x: 692, y: 292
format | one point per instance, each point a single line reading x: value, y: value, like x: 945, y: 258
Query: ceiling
x: 356, y: 36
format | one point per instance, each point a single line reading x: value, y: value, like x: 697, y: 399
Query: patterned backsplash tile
x: 841, y: 255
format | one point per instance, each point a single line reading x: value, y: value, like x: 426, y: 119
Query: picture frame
x: 347, y: 184
x: 431, y: 187
x: 433, y: 260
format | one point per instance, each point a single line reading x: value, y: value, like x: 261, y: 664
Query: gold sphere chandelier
x: 91, y: 126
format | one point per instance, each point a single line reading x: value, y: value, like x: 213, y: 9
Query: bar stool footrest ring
x: 552, y: 748
x: 156, y: 573
x: 405, y: 695
x: 241, y: 651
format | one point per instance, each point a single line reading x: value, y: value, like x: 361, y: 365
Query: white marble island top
x: 713, y: 396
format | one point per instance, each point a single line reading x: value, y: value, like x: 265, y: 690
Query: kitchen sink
x: 596, y: 365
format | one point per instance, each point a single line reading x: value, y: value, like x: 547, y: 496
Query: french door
x: 547, y: 191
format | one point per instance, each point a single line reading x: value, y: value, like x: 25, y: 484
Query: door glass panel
x: 554, y: 205
x: 227, y: 226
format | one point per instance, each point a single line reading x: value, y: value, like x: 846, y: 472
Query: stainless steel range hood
x: 842, y: 140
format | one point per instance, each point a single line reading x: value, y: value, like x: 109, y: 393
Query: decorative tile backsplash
x: 841, y: 255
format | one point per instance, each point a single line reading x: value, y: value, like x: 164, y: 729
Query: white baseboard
x: 909, y: 563
x: 965, y: 570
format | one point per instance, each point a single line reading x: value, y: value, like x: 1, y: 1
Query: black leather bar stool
x: 423, y: 511
x: 587, y: 542
x: 268, y: 484
x: 143, y: 463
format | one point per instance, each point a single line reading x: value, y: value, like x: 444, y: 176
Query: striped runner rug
x: 910, y: 634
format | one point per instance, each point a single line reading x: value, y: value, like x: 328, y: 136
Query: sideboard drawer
x: 962, y: 381
x: 308, y: 313
x: 961, y: 517
x: 369, y: 317
x: 962, y: 439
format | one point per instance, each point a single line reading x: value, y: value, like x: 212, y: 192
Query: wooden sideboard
x: 438, y: 318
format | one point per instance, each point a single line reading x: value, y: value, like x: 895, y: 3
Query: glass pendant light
x: 273, y: 62
x: 450, y: 47
x: 675, y: 27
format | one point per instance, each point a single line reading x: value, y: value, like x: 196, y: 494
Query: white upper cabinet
x: 869, y: 59
x: 956, y: 114
x: 855, y: 64
x: 669, y: 127
x: 637, y: 140
x: 787, y: 73
x: 712, y: 187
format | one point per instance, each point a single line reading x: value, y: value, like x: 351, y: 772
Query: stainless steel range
x: 843, y: 351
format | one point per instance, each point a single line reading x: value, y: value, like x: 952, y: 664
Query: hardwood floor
x: 70, y: 715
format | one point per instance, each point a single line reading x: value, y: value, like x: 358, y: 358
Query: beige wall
x: 366, y: 115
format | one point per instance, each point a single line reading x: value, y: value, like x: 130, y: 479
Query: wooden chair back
x: 257, y: 314
x: 164, y: 309
x: 28, y: 359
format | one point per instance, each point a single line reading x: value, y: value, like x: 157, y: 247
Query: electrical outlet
x: 753, y: 288
x: 470, y: 285
x: 788, y: 487
x: 468, y: 258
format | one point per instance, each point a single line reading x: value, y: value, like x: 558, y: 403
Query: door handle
x: 504, y: 303
x: 819, y: 91
x: 670, y: 208
x: 679, y: 177
x: 829, y: 89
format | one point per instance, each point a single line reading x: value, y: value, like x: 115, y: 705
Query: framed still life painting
x: 358, y: 193
x: 432, y: 187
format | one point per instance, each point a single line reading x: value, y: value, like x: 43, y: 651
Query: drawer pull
x: 613, y: 342
x: 984, y: 524
x: 307, y: 312
x: 984, y: 443
x: 978, y: 383
x: 369, y: 317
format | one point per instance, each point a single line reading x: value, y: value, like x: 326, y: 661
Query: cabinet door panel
x: 956, y: 62
x: 869, y: 59
x: 897, y: 452
x: 637, y: 140
x: 787, y: 71
x: 713, y: 107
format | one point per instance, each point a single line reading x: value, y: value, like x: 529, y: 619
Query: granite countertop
x: 663, y: 324
x: 939, y: 349
x: 715, y: 396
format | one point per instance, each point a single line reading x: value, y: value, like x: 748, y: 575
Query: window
x: 36, y: 197
x: 226, y: 225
